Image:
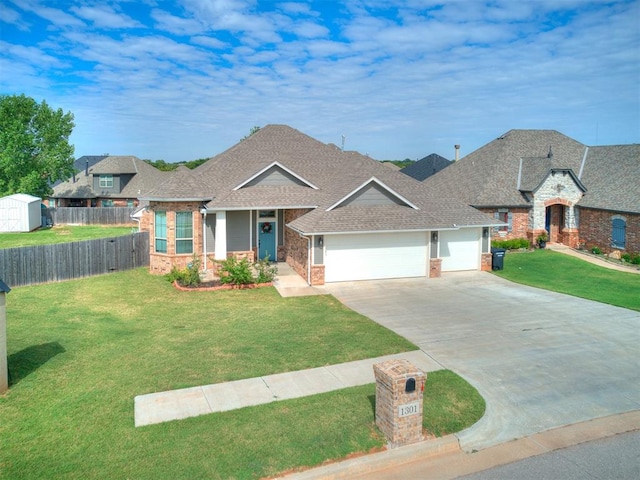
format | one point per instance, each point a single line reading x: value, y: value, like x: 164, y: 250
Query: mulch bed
x: 218, y: 285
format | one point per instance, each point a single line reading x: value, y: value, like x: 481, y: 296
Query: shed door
x: 460, y: 249
x: 375, y: 256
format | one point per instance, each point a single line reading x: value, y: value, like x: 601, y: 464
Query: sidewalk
x: 192, y: 402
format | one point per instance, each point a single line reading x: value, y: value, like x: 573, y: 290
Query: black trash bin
x: 497, y: 258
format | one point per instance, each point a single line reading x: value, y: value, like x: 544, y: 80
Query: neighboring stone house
x: 332, y: 215
x: 427, y: 166
x: 542, y: 180
x: 106, y: 181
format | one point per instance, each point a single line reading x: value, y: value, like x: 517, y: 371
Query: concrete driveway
x: 540, y: 359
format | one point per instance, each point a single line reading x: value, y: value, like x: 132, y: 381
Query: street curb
x: 443, y: 458
x: 381, y: 460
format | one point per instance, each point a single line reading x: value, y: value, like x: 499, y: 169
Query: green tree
x: 251, y: 132
x: 34, y: 146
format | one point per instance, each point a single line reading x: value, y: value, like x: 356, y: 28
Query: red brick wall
x: 317, y: 274
x: 435, y: 268
x: 596, y: 228
x: 161, y: 263
x: 519, y: 224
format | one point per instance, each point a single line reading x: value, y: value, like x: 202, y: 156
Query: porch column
x: 570, y: 218
x: 221, y: 235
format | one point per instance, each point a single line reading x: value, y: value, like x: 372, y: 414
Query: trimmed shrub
x: 596, y: 250
x: 189, y: 276
x: 513, y: 244
x: 235, y: 272
x: 265, y: 272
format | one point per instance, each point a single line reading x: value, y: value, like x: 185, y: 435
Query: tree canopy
x: 168, y: 167
x: 34, y: 146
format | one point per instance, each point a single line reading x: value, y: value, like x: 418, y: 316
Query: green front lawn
x: 80, y: 351
x: 562, y: 273
x: 62, y: 234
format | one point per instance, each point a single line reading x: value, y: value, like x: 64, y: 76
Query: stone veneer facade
x: 297, y: 247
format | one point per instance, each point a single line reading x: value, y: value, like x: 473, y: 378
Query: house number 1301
x: 408, y: 409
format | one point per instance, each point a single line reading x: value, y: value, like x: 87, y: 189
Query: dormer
x: 370, y: 193
x: 275, y: 175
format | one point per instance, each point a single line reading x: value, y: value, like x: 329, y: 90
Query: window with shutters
x: 618, y: 233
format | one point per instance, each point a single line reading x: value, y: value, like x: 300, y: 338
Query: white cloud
x: 176, y: 25
x: 57, y: 17
x: 103, y: 16
x: 403, y: 84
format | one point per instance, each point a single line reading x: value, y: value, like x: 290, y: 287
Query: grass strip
x: 565, y: 274
x: 62, y: 234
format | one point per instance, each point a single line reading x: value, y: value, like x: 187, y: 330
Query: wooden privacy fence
x: 87, y: 215
x: 64, y: 261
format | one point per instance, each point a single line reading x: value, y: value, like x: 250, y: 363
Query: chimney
x: 457, y: 147
x: 86, y: 169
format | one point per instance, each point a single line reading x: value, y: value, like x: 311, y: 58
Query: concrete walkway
x: 191, y: 402
x: 599, y: 260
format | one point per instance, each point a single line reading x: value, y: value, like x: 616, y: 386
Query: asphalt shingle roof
x: 611, y: 175
x: 427, y: 166
x: 334, y: 172
x: 488, y: 176
x: 491, y: 175
x: 145, y: 177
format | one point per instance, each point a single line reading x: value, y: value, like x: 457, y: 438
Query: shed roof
x: 22, y: 197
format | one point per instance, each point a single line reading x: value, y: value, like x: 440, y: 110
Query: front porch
x: 287, y: 282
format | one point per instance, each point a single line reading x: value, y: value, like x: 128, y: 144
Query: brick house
x: 106, y: 181
x: 541, y: 180
x: 332, y: 215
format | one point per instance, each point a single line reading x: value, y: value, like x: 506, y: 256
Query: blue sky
x: 187, y: 79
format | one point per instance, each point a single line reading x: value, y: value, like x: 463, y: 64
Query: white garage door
x: 460, y: 249
x: 374, y: 256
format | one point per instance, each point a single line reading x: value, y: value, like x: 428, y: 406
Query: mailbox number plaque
x: 408, y: 409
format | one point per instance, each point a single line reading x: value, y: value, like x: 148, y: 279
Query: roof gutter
x: 268, y: 207
x: 435, y: 228
x: 151, y: 199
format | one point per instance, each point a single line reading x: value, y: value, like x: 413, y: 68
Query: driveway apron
x: 540, y: 359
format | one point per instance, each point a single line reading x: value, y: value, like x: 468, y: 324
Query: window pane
x: 161, y: 245
x: 161, y: 232
x: 184, y: 225
x: 106, y: 181
x: 184, y: 246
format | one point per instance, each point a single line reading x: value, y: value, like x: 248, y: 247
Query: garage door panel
x: 375, y: 256
x: 460, y: 249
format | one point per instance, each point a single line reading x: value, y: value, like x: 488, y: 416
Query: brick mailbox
x: 399, y: 387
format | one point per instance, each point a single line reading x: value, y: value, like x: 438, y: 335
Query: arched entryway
x: 560, y: 222
x: 554, y: 222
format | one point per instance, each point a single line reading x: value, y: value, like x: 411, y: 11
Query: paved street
x: 540, y: 359
x: 615, y: 457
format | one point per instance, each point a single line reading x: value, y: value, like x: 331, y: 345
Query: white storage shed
x: 20, y: 213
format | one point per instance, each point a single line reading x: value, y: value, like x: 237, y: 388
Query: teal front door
x: 267, y: 240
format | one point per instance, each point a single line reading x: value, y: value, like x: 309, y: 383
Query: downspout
x: 204, y: 239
